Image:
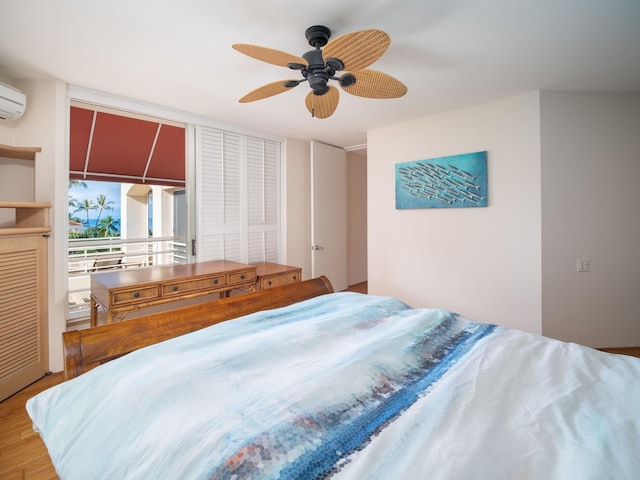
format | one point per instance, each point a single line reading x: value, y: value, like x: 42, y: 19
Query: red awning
x: 116, y: 148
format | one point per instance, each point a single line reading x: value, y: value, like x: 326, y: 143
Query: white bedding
x: 349, y: 386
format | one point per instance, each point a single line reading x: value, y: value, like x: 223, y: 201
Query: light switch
x: 584, y: 264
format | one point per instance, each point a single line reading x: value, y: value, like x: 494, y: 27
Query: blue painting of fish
x: 446, y: 182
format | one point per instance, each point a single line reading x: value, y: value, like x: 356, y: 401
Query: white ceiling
x: 449, y: 53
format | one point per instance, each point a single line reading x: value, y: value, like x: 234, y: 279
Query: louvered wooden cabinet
x: 23, y: 296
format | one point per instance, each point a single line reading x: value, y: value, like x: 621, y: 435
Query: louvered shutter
x: 238, y: 197
x: 23, y: 352
x: 262, y: 181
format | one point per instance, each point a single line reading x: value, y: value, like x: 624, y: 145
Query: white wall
x: 357, y: 218
x: 6, y: 133
x: 297, y: 202
x: 17, y: 182
x: 134, y: 201
x: 484, y: 263
x: 17, y: 179
x: 591, y: 209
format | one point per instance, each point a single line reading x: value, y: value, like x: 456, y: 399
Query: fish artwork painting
x: 446, y: 182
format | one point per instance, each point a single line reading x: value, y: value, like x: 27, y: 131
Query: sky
x: 110, y: 189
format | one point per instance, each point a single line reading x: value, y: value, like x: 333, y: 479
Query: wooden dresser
x: 273, y: 275
x: 122, y: 291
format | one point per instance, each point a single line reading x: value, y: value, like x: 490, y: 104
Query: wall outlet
x: 584, y: 264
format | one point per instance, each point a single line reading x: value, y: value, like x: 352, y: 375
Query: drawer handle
x: 269, y: 283
x: 242, y: 277
x: 295, y: 277
x: 215, y: 281
x: 175, y: 288
x: 136, y: 295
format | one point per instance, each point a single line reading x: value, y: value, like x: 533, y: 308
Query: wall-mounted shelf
x: 23, y: 153
x: 31, y: 218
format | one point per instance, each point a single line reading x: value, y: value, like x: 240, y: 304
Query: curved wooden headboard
x: 85, y: 349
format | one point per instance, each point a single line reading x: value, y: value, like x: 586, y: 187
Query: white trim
x: 145, y: 180
x: 122, y: 112
x: 353, y: 148
x: 244, y: 202
x: 132, y: 105
x: 191, y: 151
x: 197, y: 192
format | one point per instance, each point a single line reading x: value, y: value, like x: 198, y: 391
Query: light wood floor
x: 632, y: 351
x: 22, y: 452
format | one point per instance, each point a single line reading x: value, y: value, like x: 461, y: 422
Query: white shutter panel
x: 272, y: 201
x: 220, y: 195
x: 238, y: 197
x: 262, y: 181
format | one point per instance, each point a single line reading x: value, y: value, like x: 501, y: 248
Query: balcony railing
x: 93, y: 255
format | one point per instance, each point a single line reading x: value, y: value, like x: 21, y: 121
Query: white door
x: 329, y: 214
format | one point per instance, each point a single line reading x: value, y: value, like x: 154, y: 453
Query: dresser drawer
x: 195, y: 285
x: 134, y: 295
x: 241, y: 277
x: 278, y: 280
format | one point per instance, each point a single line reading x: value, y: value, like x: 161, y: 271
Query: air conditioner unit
x: 12, y: 102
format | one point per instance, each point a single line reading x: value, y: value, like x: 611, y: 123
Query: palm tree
x: 102, y: 204
x: 77, y: 183
x: 85, y: 206
x: 73, y: 203
x: 109, y: 226
x: 74, y: 219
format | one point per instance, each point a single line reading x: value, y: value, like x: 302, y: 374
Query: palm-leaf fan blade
x: 359, y: 49
x: 269, y: 55
x: 374, y: 84
x: 323, y: 106
x: 265, y: 91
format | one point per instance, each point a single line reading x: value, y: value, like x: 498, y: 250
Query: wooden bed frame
x: 86, y: 349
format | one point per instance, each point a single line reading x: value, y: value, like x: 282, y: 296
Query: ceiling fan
x: 350, y: 53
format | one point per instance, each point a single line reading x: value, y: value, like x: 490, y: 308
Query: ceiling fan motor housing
x: 316, y: 73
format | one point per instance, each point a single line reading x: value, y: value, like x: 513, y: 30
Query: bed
x: 301, y: 382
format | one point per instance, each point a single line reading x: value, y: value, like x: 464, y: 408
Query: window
x: 135, y: 165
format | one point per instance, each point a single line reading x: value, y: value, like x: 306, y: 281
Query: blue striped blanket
x: 347, y: 386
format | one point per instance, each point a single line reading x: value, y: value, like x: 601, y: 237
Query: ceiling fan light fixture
x: 318, y: 82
